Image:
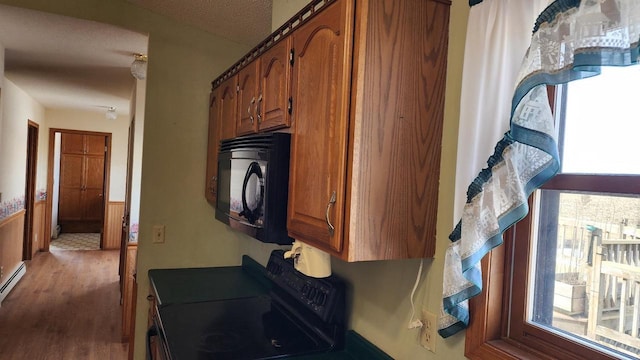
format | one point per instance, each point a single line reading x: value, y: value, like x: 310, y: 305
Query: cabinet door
x: 247, y: 122
x: 72, y: 144
x: 94, y: 145
x: 71, y: 185
x: 93, y: 186
x: 210, y: 192
x: 275, y: 80
x: 227, y: 91
x: 321, y: 75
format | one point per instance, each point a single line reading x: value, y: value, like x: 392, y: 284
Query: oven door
x: 157, y: 348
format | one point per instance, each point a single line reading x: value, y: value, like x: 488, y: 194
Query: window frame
x: 491, y: 328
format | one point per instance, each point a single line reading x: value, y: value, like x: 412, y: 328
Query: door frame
x: 126, y: 216
x: 50, y: 165
x: 33, y: 130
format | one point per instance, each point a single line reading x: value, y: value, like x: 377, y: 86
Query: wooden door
x: 94, y: 178
x: 247, y: 122
x: 28, y: 248
x: 321, y: 75
x: 275, y: 81
x: 228, y: 91
x: 71, y: 184
x: 211, y: 182
x: 82, y: 175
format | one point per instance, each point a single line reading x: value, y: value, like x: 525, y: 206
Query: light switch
x: 158, y: 234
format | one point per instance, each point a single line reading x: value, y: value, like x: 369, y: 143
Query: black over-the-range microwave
x: 253, y: 185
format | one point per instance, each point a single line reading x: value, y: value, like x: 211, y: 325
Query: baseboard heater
x: 17, y: 274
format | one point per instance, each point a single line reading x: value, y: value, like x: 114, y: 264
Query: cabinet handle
x: 259, y: 109
x: 332, y: 201
x: 253, y: 101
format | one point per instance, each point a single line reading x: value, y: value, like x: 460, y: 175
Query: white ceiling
x: 244, y: 21
x: 64, y: 62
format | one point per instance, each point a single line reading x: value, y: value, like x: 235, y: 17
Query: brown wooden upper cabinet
x: 248, y: 93
x: 263, y: 91
x: 365, y: 104
x: 367, y: 134
x: 273, y: 110
x: 317, y: 171
x: 211, y: 191
x: 228, y: 107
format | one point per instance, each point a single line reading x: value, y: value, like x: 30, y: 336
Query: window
x: 566, y: 283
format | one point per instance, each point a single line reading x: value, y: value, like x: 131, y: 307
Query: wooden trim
x: 132, y: 326
x: 11, y: 243
x: 11, y: 217
x: 31, y: 174
x: 112, y: 234
x: 38, y: 226
x: 128, y: 299
x: 105, y: 192
x: 498, y: 328
x: 48, y: 211
x: 615, y: 184
x: 283, y: 31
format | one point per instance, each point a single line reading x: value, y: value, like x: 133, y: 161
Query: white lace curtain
x: 571, y: 40
x: 498, y: 35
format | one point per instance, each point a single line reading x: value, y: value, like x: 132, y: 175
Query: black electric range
x: 294, y: 315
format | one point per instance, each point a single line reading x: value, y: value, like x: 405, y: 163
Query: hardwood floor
x: 65, y: 307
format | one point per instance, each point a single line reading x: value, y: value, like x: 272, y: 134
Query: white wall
x: 56, y: 182
x: 96, y: 121
x: 18, y: 108
x: 1, y: 65
x: 138, y: 137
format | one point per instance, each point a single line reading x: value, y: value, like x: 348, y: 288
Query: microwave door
x: 253, y: 194
x: 247, y: 190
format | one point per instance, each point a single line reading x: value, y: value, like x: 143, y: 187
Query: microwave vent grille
x: 261, y: 141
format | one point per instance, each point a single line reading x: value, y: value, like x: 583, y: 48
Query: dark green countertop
x: 172, y: 286
x: 356, y: 348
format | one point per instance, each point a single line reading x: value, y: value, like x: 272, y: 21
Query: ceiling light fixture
x: 111, y: 113
x: 139, y: 66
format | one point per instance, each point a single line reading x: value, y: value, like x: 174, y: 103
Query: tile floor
x: 76, y: 241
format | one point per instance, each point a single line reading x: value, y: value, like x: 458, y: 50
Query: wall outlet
x: 428, y: 332
x: 158, y: 234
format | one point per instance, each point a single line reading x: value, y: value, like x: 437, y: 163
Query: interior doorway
x: 78, y: 179
x: 30, y: 190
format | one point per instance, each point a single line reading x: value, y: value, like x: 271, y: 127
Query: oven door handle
x: 153, y: 331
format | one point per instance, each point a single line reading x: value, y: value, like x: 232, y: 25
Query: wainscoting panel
x: 38, y: 227
x: 113, y: 225
x: 11, y: 236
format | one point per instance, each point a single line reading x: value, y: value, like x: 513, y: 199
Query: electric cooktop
x: 300, y: 315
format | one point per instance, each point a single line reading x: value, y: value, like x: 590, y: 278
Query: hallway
x: 65, y: 307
